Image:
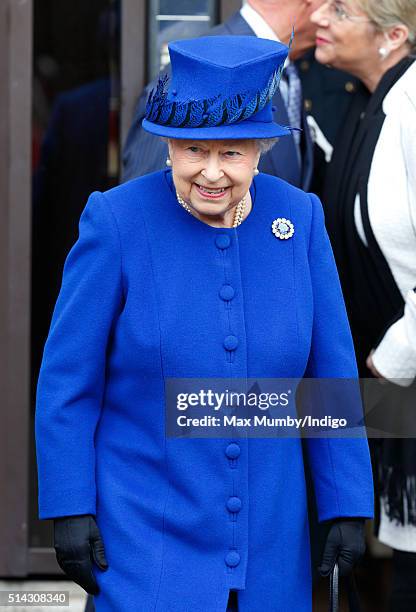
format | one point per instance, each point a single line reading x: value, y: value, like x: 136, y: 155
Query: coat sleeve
x: 72, y: 374
x: 340, y: 467
x: 395, y: 355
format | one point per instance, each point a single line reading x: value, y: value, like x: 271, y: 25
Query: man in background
x: 292, y: 158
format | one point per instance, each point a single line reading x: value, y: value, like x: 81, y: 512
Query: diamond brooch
x: 283, y: 228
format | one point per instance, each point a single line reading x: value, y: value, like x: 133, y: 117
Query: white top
x: 392, y: 213
x: 400, y: 537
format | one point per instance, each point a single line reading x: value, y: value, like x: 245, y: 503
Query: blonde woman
x: 370, y: 201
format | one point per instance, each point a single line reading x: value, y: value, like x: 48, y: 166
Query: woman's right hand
x: 345, y: 545
x: 78, y: 543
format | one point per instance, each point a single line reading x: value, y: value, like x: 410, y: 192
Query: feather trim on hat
x: 209, y: 112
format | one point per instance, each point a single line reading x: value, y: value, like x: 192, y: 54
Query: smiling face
x: 212, y: 176
x: 346, y: 39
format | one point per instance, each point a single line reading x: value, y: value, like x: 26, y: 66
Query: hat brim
x: 236, y: 131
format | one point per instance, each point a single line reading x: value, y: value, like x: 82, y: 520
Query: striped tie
x: 292, y: 96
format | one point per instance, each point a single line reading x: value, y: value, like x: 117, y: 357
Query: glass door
x: 175, y: 19
x: 75, y: 150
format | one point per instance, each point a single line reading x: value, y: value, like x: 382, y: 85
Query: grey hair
x: 265, y: 144
x: 386, y: 14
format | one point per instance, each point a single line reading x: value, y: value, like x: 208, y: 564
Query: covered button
x: 222, y: 241
x: 233, y: 451
x: 232, y: 558
x: 234, y: 504
x: 227, y: 292
x: 230, y: 342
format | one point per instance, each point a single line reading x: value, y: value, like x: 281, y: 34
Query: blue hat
x: 221, y: 88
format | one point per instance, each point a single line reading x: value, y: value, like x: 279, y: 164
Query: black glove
x: 345, y: 545
x: 77, y: 542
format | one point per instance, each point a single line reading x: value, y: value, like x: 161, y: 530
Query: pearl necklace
x: 238, y: 215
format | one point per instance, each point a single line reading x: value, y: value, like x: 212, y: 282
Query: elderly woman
x: 205, y: 269
x: 370, y: 201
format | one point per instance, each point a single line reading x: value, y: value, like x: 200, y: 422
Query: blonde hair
x: 386, y: 14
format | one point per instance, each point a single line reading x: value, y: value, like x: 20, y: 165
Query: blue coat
x: 140, y: 302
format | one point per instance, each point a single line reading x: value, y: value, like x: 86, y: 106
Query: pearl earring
x: 169, y: 162
x: 256, y: 171
x: 383, y: 52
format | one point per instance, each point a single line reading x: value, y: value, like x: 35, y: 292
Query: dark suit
x: 144, y: 153
x: 327, y: 93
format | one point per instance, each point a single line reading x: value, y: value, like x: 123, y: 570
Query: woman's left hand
x: 370, y: 365
x: 78, y: 543
x: 345, y: 545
